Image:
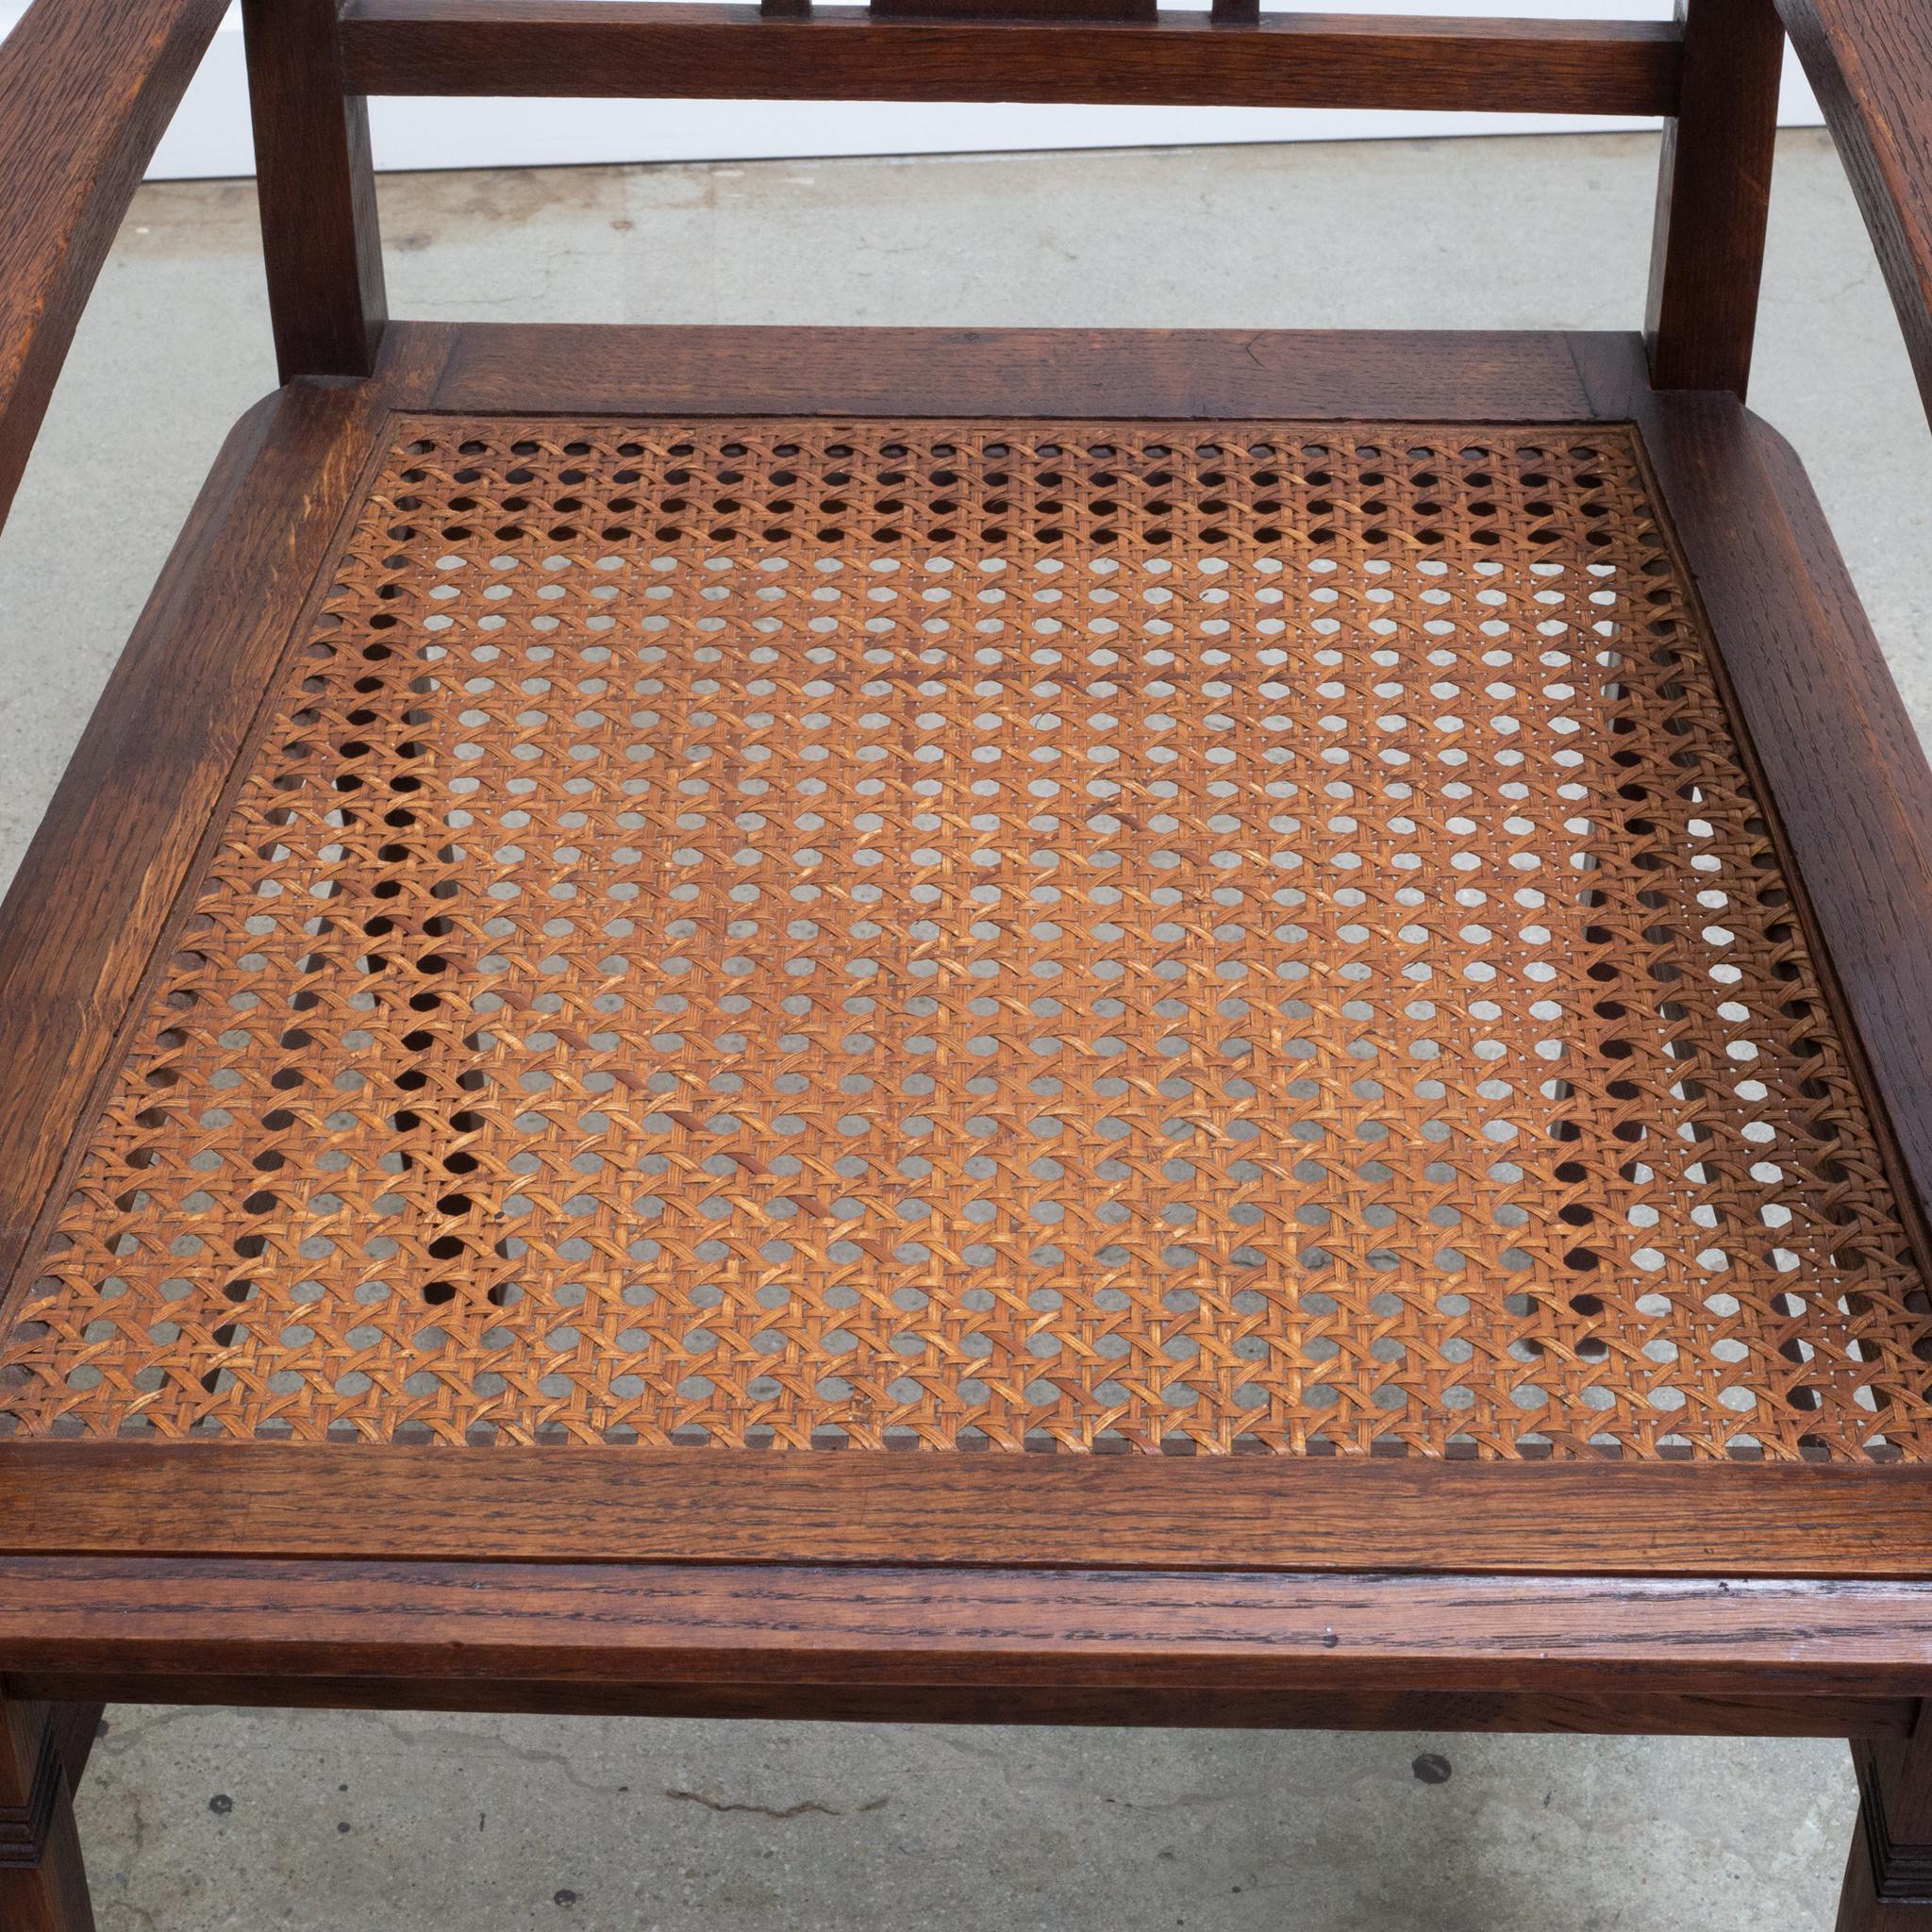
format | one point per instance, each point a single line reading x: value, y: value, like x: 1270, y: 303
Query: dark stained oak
x: 630, y: 1504
x: 1860, y: 1908
x: 1852, y: 802
x: 1011, y: 10
x: 1417, y: 374
x: 135, y: 803
x: 86, y: 89
x: 698, y: 1623
x: 686, y: 49
x: 1870, y: 64
x: 76, y: 1726
x: 1355, y: 1707
x: 43, y: 1882
x: 1888, y: 1876
x: 1847, y: 777
x: 1720, y: 1598
x: 321, y: 239
x: 1714, y: 196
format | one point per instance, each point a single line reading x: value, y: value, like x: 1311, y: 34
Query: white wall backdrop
x: 211, y: 134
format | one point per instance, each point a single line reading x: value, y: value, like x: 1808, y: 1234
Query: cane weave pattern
x: 962, y: 935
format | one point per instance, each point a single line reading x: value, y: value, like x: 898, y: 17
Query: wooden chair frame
x: 1768, y: 1598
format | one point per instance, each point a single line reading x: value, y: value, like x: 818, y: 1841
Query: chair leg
x: 1888, y: 1880
x: 43, y: 1883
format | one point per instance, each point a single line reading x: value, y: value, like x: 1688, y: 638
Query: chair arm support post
x: 1714, y: 195
x: 321, y: 239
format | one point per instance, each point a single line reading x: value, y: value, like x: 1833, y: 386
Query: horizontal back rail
x: 700, y: 50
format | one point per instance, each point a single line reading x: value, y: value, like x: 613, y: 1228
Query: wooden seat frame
x: 1751, y: 1598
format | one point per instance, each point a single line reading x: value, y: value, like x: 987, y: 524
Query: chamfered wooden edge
x: 1842, y: 775
x: 1443, y: 375
x: 1352, y: 1708
x: 682, y: 51
x: 139, y: 798
x: 96, y: 1619
x: 624, y: 1504
x: 99, y: 881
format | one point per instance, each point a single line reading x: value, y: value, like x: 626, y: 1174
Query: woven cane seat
x: 1254, y: 936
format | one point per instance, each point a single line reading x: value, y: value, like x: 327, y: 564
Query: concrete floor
x: 319, y: 1822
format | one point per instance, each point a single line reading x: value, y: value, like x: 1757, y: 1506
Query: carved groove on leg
x: 42, y: 1875
x: 1888, y: 1874
x: 24, y: 1826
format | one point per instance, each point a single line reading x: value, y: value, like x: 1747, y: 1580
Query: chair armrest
x: 1870, y: 64
x: 86, y: 89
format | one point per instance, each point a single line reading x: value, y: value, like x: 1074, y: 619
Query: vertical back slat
x: 320, y: 234
x: 1713, y: 194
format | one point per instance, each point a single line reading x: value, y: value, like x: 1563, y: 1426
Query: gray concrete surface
x: 419, y: 1824
x: 317, y: 1823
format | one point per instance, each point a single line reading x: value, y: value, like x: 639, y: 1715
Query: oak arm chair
x: 1217, y: 1028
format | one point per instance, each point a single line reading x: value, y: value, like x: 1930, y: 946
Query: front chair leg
x: 1888, y: 1881
x: 43, y: 1883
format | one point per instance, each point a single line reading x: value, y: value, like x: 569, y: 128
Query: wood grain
x: 321, y: 239
x: 1860, y: 1909
x: 896, y: 1626
x: 77, y: 1726
x: 1714, y: 1597
x: 717, y: 1505
x: 1011, y: 10
x: 1869, y: 63
x: 1848, y: 778
x: 1358, y: 1707
x: 1888, y: 1880
x: 86, y: 89
x: 1439, y: 375
x: 43, y: 1883
x: 1714, y: 196
x: 696, y: 51
x: 96, y: 886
